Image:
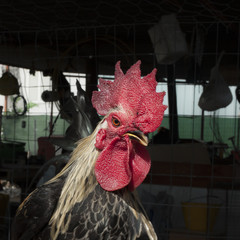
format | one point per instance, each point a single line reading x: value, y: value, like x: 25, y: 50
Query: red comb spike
x: 150, y: 78
x: 118, y: 71
x: 134, y: 94
x: 134, y: 71
x: 102, y: 100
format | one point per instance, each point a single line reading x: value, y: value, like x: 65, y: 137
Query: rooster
x: 93, y: 196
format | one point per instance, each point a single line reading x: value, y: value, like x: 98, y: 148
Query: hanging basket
x: 8, y: 84
x: 168, y: 40
x: 216, y: 94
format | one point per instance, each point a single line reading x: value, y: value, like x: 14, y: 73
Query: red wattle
x: 140, y: 165
x: 122, y: 163
x: 112, y: 166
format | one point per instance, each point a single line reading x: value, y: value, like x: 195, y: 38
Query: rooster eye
x: 115, y: 122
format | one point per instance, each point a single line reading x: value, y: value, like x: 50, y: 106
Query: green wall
x: 35, y: 126
x: 216, y: 130
x: 189, y: 128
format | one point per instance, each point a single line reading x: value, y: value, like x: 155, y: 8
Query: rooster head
x: 132, y: 109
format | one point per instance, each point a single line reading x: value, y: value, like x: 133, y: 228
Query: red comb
x: 134, y: 94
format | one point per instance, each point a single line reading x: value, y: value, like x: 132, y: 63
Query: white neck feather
x: 80, y: 181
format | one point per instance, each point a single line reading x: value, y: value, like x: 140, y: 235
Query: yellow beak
x: 138, y: 136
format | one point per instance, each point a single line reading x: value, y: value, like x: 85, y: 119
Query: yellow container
x: 200, y: 216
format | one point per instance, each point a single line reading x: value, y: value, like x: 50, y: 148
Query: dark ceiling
x: 33, y: 15
x: 67, y: 33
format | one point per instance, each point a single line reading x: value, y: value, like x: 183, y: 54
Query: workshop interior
x: 52, y: 57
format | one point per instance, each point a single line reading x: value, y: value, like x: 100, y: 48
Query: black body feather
x: 101, y: 215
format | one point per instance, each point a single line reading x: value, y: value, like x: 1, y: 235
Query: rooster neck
x: 79, y: 182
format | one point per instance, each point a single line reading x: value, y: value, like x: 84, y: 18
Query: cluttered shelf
x: 20, y: 174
